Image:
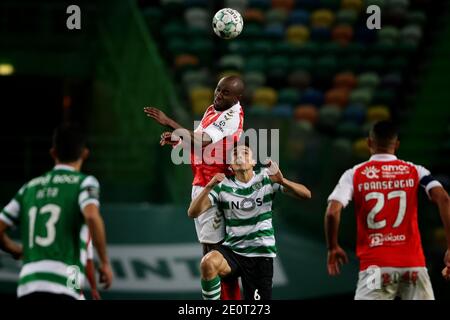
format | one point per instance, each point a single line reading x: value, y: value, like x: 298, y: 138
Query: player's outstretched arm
x: 96, y: 227
x: 291, y: 188
x: 440, y: 197
x: 189, y: 136
x: 202, y: 202
x: 8, y: 245
x: 336, y: 255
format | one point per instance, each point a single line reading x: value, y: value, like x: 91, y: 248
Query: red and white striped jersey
x: 384, y: 190
x: 224, y: 128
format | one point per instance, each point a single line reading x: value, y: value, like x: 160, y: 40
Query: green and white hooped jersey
x: 247, y: 208
x: 48, y: 210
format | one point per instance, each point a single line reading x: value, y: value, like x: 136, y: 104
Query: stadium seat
x: 173, y: 29
x: 356, y: 5
x: 289, y: 96
x: 349, y: 130
x: 361, y: 96
x: 355, y: 113
x: 342, y: 34
x: 195, y: 3
x: 254, y: 78
x: 369, y: 80
x: 388, y: 34
x: 239, y: 5
x: 391, y: 80
x: 255, y: 63
x: 283, y: 110
x: 352, y: 62
x: 287, y: 5
x: 338, y: 97
x: 346, y: 16
x: 418, y: 18
x: 238, y: 46
x: 299, y: 79
x: 264, y: 96
x: 299, y: 16
x: 326, y: 65
x: 378, y: 113
x: 276, y: 15
x: 411, y: 34
x: 312, y: 96
x: 384, y: 96
x: 302, y: 63
x: 379, y: 3
x: 260, y: 47
x: 320, y: 34
x: 197, y: 17
x: 330, y: 4
x: 177, y: 46
x: 195, y: 78
x: 361, y: 149
x: 329, y: 116
x: 283, y: 48
x: 306, y: 112
x: 322, y: 18
x: 398, y: 4
x: 184, y: 61
x: 297, y: 34
x: 275, y: 31
x: 345, y: 80
x: 261, y: 4
x: 252, y: 31
x: 253, y: 15
x: 231, y: 62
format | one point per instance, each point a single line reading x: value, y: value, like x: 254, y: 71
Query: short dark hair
x: 384, y: 133
x: 69, y: 142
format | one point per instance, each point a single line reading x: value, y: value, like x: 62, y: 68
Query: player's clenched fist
x: 218, y: 178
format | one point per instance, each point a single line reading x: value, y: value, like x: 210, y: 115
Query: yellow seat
x: 378, y: 113
x: 297, y: 34
x: 360, y: 148
x: 265, y: 96
x: 322, y: 18
x: 201, y: 98
x: 352, y: 4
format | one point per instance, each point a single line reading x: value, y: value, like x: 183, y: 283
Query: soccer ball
x: 227, y: 23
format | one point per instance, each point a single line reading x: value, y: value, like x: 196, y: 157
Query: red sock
x: 230, y: 290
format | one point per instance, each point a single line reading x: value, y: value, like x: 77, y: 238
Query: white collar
x: 63, y: 167
x: 245, y: 184
x: 236, y: 105
x: 383, y: 157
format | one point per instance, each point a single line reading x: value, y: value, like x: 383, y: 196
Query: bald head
x: 228, y: 92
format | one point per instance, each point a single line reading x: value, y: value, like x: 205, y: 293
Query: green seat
x: 238, y: 46
x: 352, y: 62
x: 346, y: 16
x: 349, y: 130
x: 398, y: 63
x: 330, y: 48
x: 173, y: 29
x: 375, y: 63
x: 331, y: 4
x: 411, y: 34
x: 329, y: 116
x: 353, y: 48
x: 276, y: 16
x: 383, y: 48
x: 252, y: 31
x: 416, y: 17
x: 288, y: 96
x: 380, y: 3
x: 326, y: 65
x: 261, y: 47
x: 177, y: 46
x: 388, y: 34
x: 310, y: 48
x: 282, y: 48
x: 255, y: 63
x: 194, y: 78
x: 368, y: 80
x: 398, y: 4
x: 235, y: 62
x: 302, y: 63
x: 202, y: 48
x: 384, y: 96
x: 278, y: 63
x: 361, y: 96
x: 254, y: 79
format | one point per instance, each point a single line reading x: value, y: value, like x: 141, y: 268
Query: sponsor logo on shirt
x: 379, y: 239
x: 371, y: 172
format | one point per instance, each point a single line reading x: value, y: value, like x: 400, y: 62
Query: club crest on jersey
x: 257, y: 186
x: 371, y: 172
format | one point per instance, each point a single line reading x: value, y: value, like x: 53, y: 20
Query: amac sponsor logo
x: 379, y: 239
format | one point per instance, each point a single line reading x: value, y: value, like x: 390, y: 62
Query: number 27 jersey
x: 384, y: 190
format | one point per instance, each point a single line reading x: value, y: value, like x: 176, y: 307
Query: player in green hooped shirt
x: 249, y: 246
x: 50, y: 211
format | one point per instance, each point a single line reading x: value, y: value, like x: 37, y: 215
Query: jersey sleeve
x: 11, y: 212
x: 89, y: 192
x: 225, y: 125
x: 343, y: 192
x: 214, y: 194
x: 426, y: 180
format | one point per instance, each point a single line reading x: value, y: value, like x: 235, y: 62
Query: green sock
x: 211, y: 289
